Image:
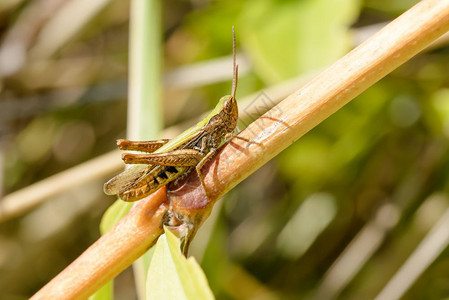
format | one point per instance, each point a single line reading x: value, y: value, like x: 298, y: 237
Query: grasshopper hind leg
x: 142, y: 146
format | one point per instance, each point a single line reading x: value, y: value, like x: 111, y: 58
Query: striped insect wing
x: 127, y: 179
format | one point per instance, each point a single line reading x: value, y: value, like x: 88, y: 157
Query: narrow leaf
x: 172, y: 276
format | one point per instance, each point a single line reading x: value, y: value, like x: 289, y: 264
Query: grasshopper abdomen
x: 157, y: 178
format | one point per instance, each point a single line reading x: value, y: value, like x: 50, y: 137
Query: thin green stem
x: 144, y: 102
x: 144, y: 105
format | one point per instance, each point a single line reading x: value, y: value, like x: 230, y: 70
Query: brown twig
x: 285, y: 123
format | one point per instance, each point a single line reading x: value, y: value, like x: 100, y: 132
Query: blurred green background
x: 358, y: 207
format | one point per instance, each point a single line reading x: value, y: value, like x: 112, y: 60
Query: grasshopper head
x: 229, y: 112
x: 228, y: 104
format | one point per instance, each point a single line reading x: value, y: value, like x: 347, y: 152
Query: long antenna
x: 235, y: 66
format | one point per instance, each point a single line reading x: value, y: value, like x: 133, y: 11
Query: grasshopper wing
x: 127, y: 179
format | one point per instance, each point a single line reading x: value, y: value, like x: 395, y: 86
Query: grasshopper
x: 165, y: 160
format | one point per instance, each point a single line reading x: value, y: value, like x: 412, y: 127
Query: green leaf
x: 287, y: 38
x: 106, y: 292
x: 172, y: 276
